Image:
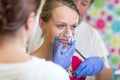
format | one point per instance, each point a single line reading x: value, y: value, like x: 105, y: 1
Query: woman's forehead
x: 64, y: 13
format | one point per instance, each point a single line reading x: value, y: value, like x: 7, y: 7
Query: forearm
x: 105, y: 74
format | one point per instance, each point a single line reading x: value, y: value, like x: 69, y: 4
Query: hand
x: 91, y: 66
x: 64, y: 59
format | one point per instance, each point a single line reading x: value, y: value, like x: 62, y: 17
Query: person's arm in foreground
x: 106, y: 73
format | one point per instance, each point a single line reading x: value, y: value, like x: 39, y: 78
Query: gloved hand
x: 90, y: 66
x: 64, y: 59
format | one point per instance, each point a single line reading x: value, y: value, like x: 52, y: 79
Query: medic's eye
x: 84, y: 3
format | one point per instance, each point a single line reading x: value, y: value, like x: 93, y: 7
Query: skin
x: 60, y: 24
x: 82, y: 6
x: 13, y: 49
x: 51, y: 32
x: 106, y: 73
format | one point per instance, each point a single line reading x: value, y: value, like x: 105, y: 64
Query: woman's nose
x: 68, y: 34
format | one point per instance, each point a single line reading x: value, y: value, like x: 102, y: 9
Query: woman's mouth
x: 64, y: 41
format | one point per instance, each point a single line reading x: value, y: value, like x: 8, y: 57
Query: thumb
x: 71, y: 50
x: 53, y: 45
x: 59, y: 49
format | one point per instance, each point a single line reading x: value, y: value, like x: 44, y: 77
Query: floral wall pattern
x: 104, y: 15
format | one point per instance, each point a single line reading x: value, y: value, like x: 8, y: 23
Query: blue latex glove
x: 91, y: 66
x: 63, y: 59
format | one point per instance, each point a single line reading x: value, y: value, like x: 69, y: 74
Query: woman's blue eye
x: 64, y: 26
x: 73, y: 27
x: 60, y: 26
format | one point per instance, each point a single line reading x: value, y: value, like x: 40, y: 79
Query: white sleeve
x: 56, y: 72
x: 98, y: 46
x: 89, y: 42
x: 36, y: 41
x: 47, y: 70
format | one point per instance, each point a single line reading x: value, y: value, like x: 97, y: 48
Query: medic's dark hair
x: 14, y: 13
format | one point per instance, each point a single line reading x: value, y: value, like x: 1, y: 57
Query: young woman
x: 59, y: 19
x: 17, y: 19
x: 84, y: 34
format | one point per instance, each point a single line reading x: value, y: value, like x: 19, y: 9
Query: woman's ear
x: 30, y: 21
x: 30, y: 25
x: 42, y: 25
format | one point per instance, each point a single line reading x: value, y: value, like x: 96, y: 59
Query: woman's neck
x: 45, y: 51
x: 13, y: 51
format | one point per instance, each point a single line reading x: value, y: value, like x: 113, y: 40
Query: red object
x: 102, y: 13
x: 119, y: 51
x: 100, y: 24
x: 75, y: 64
x: 116, y: 1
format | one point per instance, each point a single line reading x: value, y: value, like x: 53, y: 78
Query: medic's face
x: 64, y: 21
x: 82, y: 6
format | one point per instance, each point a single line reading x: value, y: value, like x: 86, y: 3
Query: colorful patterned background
x: 105, y: 16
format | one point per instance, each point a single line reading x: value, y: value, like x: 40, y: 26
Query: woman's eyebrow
x: 75, y: 24
x: 60, y: 22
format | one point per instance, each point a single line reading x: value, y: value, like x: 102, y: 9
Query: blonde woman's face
x: 64, y: 21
